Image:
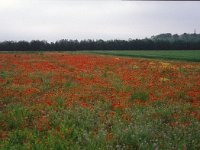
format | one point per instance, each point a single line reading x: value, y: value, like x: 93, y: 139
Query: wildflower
x: 48, y: 127
x: 84, y: 104
x: 117, y: 105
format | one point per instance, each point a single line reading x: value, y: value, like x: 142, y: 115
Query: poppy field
x: 86, y: 101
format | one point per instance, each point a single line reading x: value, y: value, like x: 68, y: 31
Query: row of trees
x: 176, y: 37
x: 159, y: 42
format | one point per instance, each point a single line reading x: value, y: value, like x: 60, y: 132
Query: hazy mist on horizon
x: 53, y: 20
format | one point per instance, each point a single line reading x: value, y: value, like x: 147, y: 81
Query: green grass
x: 183, y: 55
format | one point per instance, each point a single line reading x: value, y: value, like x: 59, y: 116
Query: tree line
x: 159, y: 42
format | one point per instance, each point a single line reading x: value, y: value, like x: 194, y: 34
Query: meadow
x: 88, y: 101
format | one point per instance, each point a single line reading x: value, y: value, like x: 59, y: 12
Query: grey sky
x: 52, y: 20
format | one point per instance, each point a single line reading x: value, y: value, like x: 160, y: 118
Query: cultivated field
x: 80, y: 101
x: 184, y: 55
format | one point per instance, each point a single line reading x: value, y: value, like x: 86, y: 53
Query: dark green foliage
x: 159, y: 42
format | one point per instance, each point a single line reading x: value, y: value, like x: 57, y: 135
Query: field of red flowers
x: 81, y: 101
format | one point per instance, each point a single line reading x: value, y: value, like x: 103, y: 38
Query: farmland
x: 85, y: 101
x: 183, y: 55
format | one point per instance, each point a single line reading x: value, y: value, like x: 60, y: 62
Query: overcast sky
x: 52, y: 20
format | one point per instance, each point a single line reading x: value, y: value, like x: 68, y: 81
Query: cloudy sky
x: 52, y: 20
